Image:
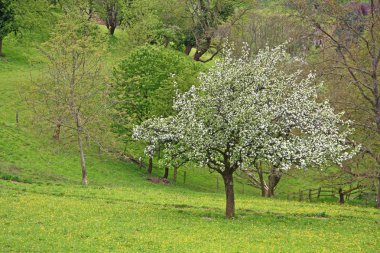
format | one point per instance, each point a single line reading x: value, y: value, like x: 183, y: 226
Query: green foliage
x: 145, y: 84
x: 25, y: 18
x: 155, y: 22
x: 7, y: 19
x: 33, y: 16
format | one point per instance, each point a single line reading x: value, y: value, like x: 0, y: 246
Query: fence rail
x: 310, y: 194
x: 316, y: 193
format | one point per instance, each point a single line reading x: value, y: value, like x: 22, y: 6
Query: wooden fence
x: 310, y: 194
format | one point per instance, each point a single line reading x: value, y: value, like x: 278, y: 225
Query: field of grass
x: 141, y: 217
x: 43, y: 207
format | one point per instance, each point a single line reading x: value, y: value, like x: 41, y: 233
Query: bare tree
x: 264, y: 177
x: 72, y: 93
x: 351, y: 52
x: 259, y: 30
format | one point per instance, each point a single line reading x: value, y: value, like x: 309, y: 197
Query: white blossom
x: 251, y: 108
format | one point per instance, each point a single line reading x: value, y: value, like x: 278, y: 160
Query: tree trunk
x: 202, y: 48
x: 198, y: 55
x: 175, y: 174
x: 273, y: 179
x: 111, y: 20
x: 150, y: 166
x: 1, y: 47
x: 57, y: 131
x: 262, y: 183
x: 166, y: 172
x: 82, y: 158
x: 188, y: 49
x: 268, y: 193
x: 341, y: 196
x: 230, y: 197
x: 112, y: 29
x: 378, y: 193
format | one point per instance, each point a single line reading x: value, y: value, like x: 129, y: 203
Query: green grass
x: 43, y: 207
x: 141, y: 217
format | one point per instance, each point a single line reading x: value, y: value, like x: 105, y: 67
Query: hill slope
x: 44, y: 208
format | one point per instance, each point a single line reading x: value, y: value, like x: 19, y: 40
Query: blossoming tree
x: 248, y: 110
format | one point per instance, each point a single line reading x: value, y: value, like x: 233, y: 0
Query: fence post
x: 184, y: 177
x: 319, y: 192
x: 310, y: 195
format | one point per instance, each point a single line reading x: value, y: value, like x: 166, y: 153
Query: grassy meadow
x: 142, y: 217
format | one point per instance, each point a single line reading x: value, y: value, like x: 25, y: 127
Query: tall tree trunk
x: 175, y: 174
x: 82, y: 157
x: 111, y: 20
x: 262, y: 182
x: 1, y: 47
x: 166, y: 172
x: 112, y: 29
x: 341, y: 196
x: 230, y: 196
x: 150, y: 166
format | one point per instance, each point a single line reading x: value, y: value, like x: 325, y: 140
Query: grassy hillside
x: 44, y: 208
x: 141, y: 217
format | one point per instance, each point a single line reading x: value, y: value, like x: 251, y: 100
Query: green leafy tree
x: 112, y: 12
x: 144, y: 85
x: 20, y: 16
x: 7, y: 21
x: 210, y: 24
x: 156, y: 22
x: 200, y: 24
